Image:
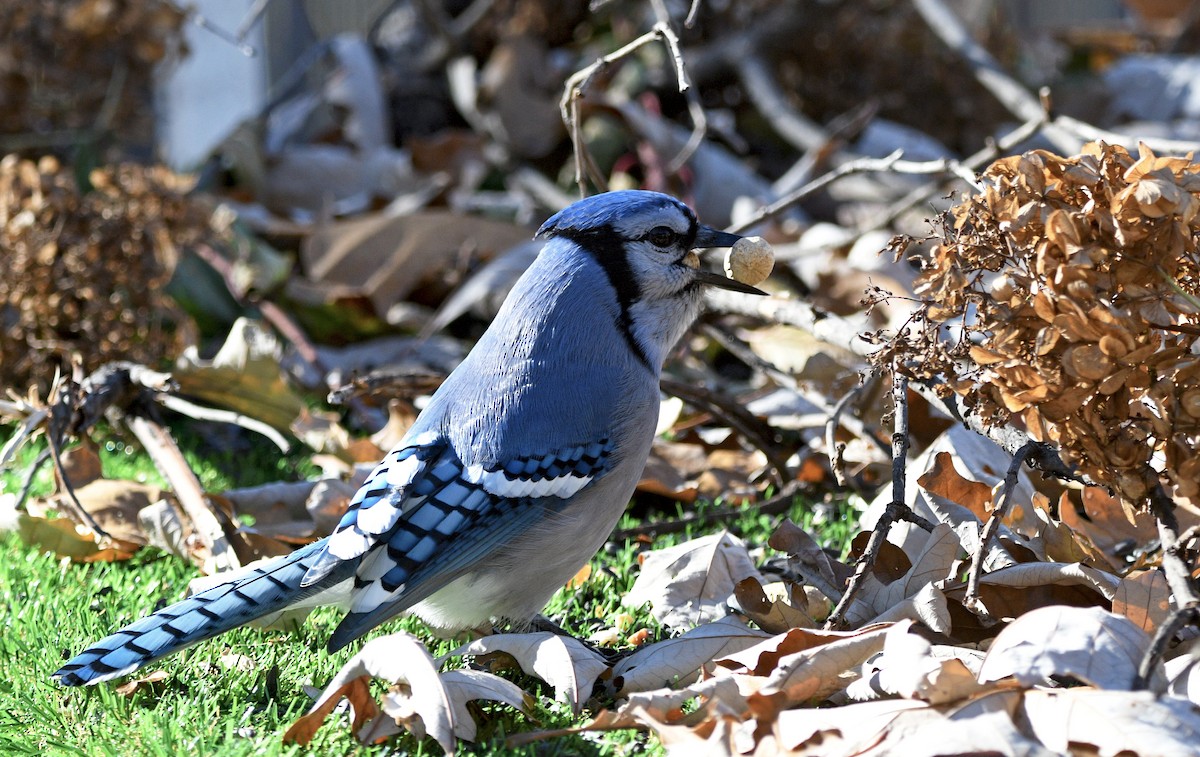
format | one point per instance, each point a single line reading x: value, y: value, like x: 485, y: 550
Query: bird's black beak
x: 707, y: 236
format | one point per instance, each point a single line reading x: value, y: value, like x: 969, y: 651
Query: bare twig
x: 993, y: 523
x: 30, y: 475
x: 1043, y: 457
x: 1178, y: 620
x: 579, y: 82
x: 29, y: 424
x: 201, y: 413
x: 65, y: 402
x: 250, y: 19
x: 1086, y: 131
x: 389, y: 384
x: 574, y: 90
x: 169, y: 461
x: 742, y: 351
x: 896, y: 509
x: 824, y: 326
x: 994, y: 149
x: 891, y: 163
x: 834, y: 448
x: 1178, y: 573
x: 199, y: 19
x: 273, y: 314
x: 1179, y: 578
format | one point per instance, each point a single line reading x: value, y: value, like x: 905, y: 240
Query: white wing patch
x: 349, y: 543
x: 502, y: 484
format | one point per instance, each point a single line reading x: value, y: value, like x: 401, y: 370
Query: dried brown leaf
x: 561, y: 661
x: 673, y: 661
x: 1088, y: 644
x: 690, y: 583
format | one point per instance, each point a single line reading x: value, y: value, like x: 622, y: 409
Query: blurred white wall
x: 202, y: 97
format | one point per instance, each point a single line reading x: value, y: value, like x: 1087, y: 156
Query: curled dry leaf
x: 943, y: 480
x: 1010, y: 592
x: 808, y: 665
x: 806, y: 557
x: 690, y: 583
x: 1144, y: 598
x: 399, y: 659
x: 464, y: 686
x: 1091, y: 645
x: 244, y: 376
x: 785, y: 607
x: 357, y: 691
x: 932, y: 564
x: 907, y: 667
x: 561, y: 661
x: 674, y: 661
x: 840, y: 729
x: 1112, y: 722
x: 132, y: 686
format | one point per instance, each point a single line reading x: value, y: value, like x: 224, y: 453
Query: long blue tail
x: 265, y: 590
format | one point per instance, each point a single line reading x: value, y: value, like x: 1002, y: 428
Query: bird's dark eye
x: 662, y: 236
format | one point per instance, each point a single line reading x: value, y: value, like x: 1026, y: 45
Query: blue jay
x: 518, y: 468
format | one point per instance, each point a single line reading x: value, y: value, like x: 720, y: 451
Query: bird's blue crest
x: 605, y: 209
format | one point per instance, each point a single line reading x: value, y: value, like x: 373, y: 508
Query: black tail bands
x: 262, y: 591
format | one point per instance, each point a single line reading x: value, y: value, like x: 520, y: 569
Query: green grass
x: 50, y: 609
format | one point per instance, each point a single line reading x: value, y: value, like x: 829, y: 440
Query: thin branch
x: 30, y: 475
x: 30, y: 424
x: 1178, y: 573
x: 832, y: 447
x: 64, y: 402
x: 250, y: 19
x: 577, y: 85
x: 271, y: 312
x: 994, y: 149
x: 891, y: 163
x: 81, y: 513
x: 1043, y: 457
x: 1092, y: 133
x: 199, y: 19
x: 742, y: 351
x: 579, y: 82
x: 827, y: 327
x: 993, y: 523
x: 201, y: 413
x: 167, y: 458
x: 1178, y: 620
x: 896, y: 509
x: 1179, y: 578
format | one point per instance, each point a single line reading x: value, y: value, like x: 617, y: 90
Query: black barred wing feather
x: 423, y: 518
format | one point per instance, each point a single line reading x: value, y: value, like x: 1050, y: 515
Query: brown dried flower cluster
x: 74, y: 65
x: 82, y: 273
x: 1072, y: 288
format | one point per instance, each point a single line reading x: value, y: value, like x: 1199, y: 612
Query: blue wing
x: 423, y: 518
